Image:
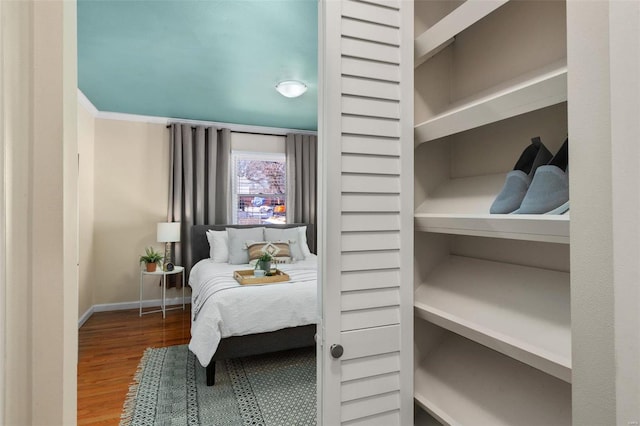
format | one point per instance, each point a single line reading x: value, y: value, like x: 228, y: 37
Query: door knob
x: 336, y: 351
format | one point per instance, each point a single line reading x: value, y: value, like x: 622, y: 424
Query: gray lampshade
x: 168, y: 232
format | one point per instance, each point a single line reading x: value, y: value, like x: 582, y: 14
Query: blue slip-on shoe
x: 519, y: 179
x: 549, y: 190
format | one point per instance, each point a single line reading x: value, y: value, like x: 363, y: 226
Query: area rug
x: 170, y: 388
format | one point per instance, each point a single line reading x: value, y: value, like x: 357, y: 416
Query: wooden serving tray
x: 246, y: 277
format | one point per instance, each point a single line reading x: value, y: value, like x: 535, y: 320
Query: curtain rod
x: 245, y: 132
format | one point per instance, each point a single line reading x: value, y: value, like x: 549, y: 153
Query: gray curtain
x: 302, y: 174
x: 199, y: 187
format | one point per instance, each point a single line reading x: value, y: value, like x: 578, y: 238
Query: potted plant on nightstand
x: 151, y: 258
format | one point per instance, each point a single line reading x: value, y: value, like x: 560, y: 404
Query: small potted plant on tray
x: 264, y: 263
x: 151, y: 258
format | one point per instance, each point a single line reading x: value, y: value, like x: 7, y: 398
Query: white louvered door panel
x: 366, y: 240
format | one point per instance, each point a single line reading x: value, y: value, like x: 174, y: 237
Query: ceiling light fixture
x: 291, y: 88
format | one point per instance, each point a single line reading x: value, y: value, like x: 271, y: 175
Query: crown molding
x: 121, y: 116
x: 106, y: 115
x: 87, y: 104
x: 244, y: 128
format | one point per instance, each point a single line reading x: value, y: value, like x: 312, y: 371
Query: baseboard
x: 85, y: 317
x: 122, y: 306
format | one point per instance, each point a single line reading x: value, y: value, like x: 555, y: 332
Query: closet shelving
x: 517, y: 310
x: 463, y: 383
x: 491, y: 301
x: 470, y: 198
x: 528, y: 92
x: 442, y: 34
x: 529, y: 227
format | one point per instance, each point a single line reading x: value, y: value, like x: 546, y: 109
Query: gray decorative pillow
x: 238, y: 253
x: 290, y: 235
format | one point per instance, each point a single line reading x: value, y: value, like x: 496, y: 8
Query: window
x: 259, y: 188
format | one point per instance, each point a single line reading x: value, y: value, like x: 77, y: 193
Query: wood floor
x: 110, y: 345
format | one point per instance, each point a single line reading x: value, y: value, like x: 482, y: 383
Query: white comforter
x: 220, y: 307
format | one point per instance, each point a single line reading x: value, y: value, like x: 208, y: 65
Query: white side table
x: 160, y: 272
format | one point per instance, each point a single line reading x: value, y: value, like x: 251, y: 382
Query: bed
x: 229, y: 320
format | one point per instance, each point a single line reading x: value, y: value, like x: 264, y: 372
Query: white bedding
x: 220, y: 307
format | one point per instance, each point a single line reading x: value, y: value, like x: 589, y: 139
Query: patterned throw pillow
x: 291, y: 235
x: 279, y: 251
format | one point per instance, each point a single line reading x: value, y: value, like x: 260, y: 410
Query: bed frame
x: 253, y: 344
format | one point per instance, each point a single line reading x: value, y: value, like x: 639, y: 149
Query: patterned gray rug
x: 265, y: 390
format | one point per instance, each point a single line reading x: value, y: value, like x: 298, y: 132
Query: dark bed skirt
x: 261, y: 343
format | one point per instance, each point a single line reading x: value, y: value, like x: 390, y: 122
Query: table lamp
x: 168, y: 232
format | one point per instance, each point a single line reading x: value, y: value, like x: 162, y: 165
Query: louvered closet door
x: 366, y: 136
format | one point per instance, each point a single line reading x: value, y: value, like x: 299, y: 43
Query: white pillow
x: 238, y: 238
x: 218, y: 245
x: 304, y: 245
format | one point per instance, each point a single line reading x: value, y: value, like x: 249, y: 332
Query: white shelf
x: 530, y: 92
x: 464, y: 383
x: 422, y: 418
x: 461, y: 206
x: 520, y: 311
x: 441, y: 34
x: 551, y: 229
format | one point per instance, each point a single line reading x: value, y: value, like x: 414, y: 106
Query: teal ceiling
x: 213, y: 60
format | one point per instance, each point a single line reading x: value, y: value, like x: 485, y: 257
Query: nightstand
x: 163, y: 274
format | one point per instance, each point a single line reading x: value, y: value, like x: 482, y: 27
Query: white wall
x: 86, y: 144
x: 16, y: 123
x: 257, y: 143
x: 593, y: 366
x: 124, y: 193
x: 604, y: 101
x: 39, y: 139
x: 130, y: 197
x: 624, y: 26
